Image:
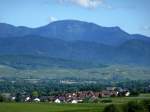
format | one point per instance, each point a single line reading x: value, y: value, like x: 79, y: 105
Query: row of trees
x: 133, y: 106
x: 52, y: 87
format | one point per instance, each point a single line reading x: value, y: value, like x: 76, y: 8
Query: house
x: 37, y: 100
x: 13, y: 98
x: 27, y: 99
x: 74, y: 101
x: 80, y: 101
x: 57, y: 101
x: 105, y: 93
x: 127, y: 93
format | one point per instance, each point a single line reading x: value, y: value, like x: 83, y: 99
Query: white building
x: 74, y: 101
x: 36, y: 100
x: 27, y: 99
x: 13, y: 98
x: 127, y: 93
x: 57, y: 101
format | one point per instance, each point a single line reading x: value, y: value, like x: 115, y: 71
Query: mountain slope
x: 130, y: 52
x: 50, y: 47
x: 76, y: 40
x: 28, y: 62
x: 7, y: 30
x: 77, y: 30
x: 134, y: 51
x: 73, y: 49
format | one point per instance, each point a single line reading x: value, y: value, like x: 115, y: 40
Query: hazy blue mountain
x: 134, y: 51
x: 141, y: 37
x: 50, y: 47
x: 72, y: 30
x: 7, y: 30
x: 130, y: 52
x: 77, y: 41
x: 38, y: 62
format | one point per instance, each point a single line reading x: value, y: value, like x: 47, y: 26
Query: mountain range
x: 74, y: 41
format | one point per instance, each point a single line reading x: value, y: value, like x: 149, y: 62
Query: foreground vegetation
x: 132, y: 106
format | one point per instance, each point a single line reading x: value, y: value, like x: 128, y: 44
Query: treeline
x: 53, y: 87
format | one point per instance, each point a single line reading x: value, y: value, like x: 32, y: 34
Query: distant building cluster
x: 76, y: 97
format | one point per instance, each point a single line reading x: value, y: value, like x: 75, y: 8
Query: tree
x: 135, y: 93
x: 133, y: 106
x: 35, y: 94
x: 19, y: 97
x: 2, y: 98
x: 146, y: 104
x: 111, y: 108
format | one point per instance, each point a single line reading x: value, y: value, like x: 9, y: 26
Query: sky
x: 133, y: 16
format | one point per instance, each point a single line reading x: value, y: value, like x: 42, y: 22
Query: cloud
x: 52, y: 19
x: 84, y: 3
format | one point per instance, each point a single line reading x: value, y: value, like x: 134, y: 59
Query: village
x: 72, y: 97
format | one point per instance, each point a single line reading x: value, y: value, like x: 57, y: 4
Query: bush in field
x: 111, y: 108
x: 146, y: 104
x: 18, y: 97
x: 134, y: 93
x: 133, y: 107
x: 2, y: 98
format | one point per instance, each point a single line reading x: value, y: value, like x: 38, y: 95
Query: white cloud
x: 84, y: 3
x: 52, y: 19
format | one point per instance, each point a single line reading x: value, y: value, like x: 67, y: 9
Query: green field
x: 50, y: 107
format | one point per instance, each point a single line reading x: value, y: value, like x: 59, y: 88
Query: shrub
x: 111, y: 108
x: 146, y: 104
x: 133, y: 106
x: 3, y: 99
x: 135, y: 93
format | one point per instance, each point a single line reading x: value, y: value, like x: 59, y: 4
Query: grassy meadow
x: 48, y: 107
